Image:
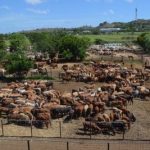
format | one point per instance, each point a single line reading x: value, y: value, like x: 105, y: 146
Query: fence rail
x: 38, y: 144
x: 58, y: 129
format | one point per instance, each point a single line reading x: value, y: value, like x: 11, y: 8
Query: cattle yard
x: 105, y: 87
x: 139, y: 131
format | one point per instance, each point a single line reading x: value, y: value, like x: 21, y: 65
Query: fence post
x: 123, y: 136
x: 90, y: 131
x: 67, y: 145
x: 51, y: 74
x: 60, y: 129
x: 31, y: 128
x: 2, y: 127
x: 28, y: 143
x: 108, y: 146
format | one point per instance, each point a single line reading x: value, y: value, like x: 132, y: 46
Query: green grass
x: 120, y: 37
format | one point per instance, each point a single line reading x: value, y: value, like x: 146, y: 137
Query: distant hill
x: 139, y: 24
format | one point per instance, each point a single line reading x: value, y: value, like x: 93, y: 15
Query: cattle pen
x: 23, y: 134
x: 70, y: 144
x: 59, y: 130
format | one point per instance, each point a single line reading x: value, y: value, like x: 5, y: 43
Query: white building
x: 110, y: 29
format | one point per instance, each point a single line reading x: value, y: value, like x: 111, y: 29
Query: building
x: 113, y: 45
x: 86, y: 31
x: 108, y: 30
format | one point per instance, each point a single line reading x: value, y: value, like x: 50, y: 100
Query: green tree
x: 147, y: 42
x: 144, y: 41
x: 46, y: 41
x: 17, y: 63
x: 75, y: 46
x: 67, y: 55
x: 99, y: 41
x: 3, y: 47
x: 2, y: 44
x: 19, y: 42
x: 41, y: 41
x: 95, y: 31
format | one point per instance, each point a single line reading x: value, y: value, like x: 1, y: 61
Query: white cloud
x: 109, y: 12
x: 34, y: 2
x: 129, y: 1
x: 91, y: 0
x: 109, y: 1
x: 4, y: 7
x: 98, y: 0
x: 37, y: 11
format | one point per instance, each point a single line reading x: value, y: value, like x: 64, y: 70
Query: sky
x: 18, y: 15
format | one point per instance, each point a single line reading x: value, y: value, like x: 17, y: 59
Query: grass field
x: 120, y: 37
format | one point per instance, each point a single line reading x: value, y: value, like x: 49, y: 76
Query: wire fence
x: 46, y: 144
x: 59, y: 129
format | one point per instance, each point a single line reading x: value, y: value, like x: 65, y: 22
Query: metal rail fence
x: 51, y: 144
x: 59, y: 129
x: 21, y: 128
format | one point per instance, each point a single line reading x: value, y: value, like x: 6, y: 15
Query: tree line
x: 14, y: 48
x: 144, y: 41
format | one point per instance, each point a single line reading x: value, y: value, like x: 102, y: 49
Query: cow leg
x: 50, y: 123
x: 47, y: 124
x: 84, y: 113
x: 132, y: 101
x: 84, y: 129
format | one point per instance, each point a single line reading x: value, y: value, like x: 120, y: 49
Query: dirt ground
x: 139, y: 130
x: 67, y: 144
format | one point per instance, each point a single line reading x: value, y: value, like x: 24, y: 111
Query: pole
x: 28, y: 143
x: 108, y: 146
x: 2, y: 127
x: 51, y: 72
x: 31, y: 129
x: 60, y: 129
x: 90, y: 131
x: 123, y: 134
x: 67, y: 145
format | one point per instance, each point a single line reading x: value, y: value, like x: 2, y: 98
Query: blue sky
x: 17, y: 15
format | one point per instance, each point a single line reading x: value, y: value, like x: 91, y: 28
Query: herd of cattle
x: 104, y: 72
x: 104, y: 108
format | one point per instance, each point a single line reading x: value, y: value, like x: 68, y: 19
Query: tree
x: 74, y: 48
x: 3, y: 47
x: 19, y: 42
x: 144, y: 41
x: 95, y: 31
x: 141, y: 39
x: 99, y: 41
x: 147, y: 42
x: 46, y: 41
x: 17, y: 63
x: 67, y: 54
x: 2, y: 55
x: 41, y: 41
x: 70, y: 47
x: 2, y: 44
